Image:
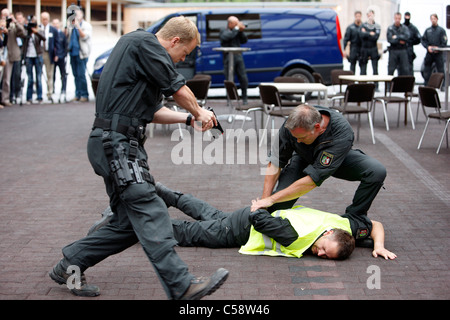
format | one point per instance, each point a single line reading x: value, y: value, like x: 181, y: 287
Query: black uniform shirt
x: 138, y: 72
x: 352, y: 36
x: 402, y: 34
x: 368, y: 40
x: 434, y: 36
x: 324, y: 156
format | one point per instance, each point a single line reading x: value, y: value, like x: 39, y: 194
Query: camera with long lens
x: 30, y: 24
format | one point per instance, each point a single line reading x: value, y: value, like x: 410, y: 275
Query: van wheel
x: 302, y: 74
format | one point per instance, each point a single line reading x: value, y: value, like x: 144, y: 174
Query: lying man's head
x: 334, y: 244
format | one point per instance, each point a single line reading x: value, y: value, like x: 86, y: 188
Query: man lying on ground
x: 289, y: 233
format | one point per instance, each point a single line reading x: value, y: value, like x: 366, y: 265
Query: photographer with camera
x: 33, y: 51
x: 79, y: 34
x: 12, y: 30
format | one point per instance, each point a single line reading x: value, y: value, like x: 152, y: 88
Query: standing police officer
x: 414, y: 39
x: 234, y: 36
x: 352, y: 36
x: 397, y: 36
x: 369, y: 33
x: 434, y: 37
x: 139, y: 71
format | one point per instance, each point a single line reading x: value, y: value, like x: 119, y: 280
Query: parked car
x: 282, y: 42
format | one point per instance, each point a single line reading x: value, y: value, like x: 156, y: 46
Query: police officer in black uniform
x: 139, y: 71
x: 233, y: 36
x: 398, y: 36
x: 352, y: 36
x: 314, y: 144
x: 414, y: 39
x: 433, y: 37
x: 369, y: 34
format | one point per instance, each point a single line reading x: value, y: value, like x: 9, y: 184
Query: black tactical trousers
x: 398, y: 59
x: 357, y: 166
x: 139, y: 215
x: 213, y: 228
x: 239, y: 70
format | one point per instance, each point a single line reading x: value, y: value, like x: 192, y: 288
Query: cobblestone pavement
x: 50, y: 196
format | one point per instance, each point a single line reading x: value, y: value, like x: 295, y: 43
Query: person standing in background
x: 414, y: 39
x: 60, y: 58
x: 50, y: 48
x: 79, y: 39
x: 352, y: 36
x: 434, y: 37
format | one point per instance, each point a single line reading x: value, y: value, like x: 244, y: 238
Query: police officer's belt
x: 128, y: 131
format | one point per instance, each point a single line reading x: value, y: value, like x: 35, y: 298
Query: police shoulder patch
x: 326, y: 158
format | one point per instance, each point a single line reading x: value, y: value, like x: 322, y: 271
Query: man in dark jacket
x: 139, y: 71
x: 398, y: 36
x: 234, y: 36
x: 313, y: 144
x: 434, y: 37
x: 414, y: 39
x: 352, y: 37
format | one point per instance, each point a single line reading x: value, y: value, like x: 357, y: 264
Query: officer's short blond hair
x: 181, y: 27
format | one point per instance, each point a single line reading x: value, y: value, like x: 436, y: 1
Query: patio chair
x: 354, y: 95
x: 430, y: 99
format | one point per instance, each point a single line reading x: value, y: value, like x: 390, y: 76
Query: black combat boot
x: 204, y: 286
x: 59, y: 275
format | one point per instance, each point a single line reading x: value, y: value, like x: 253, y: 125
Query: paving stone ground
x: 50, y: 196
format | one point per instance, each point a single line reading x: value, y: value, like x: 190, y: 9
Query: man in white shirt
x: 50, y: 49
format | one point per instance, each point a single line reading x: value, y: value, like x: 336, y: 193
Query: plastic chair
x: 200, y: 88
x: 435, y: 81
x: 430, y: 99
x: 356, y: 94
x: 273, y: 105
x: 400, y: 84
x: 233, y: 96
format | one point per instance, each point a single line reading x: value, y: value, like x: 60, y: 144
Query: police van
x: 282, y: 42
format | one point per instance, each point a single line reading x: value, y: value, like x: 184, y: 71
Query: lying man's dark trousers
x: 218, y: 229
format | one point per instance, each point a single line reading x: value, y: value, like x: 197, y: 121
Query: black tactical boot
x: 204, y: 286
x: 169, y: 196
x: 60, y: 276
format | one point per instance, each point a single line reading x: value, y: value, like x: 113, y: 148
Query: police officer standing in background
x: 234, y: 36
x: 369, y: 33
x: 414, y: 39
x: 397, y: 36
x: 433, y: 37
x: 139, y: 71
x: 352, y: 36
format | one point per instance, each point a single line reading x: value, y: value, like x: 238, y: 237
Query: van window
x: 292, y: 26
x: 216, y: 22
x: 160, y: 23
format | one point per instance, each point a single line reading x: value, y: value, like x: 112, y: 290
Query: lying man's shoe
x: 169, y: 196
x: 60, y: 276
x: 203, y: 286
x: 106, y: 217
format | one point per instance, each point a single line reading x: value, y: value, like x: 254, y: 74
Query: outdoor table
x: 298, y: 87
x: 232, y: 51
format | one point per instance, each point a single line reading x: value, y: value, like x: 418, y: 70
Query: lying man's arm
x: 378, y: 239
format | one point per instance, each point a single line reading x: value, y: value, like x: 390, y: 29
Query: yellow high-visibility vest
x: 309, y: 224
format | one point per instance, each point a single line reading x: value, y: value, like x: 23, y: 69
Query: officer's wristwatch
x: 189, y: 119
